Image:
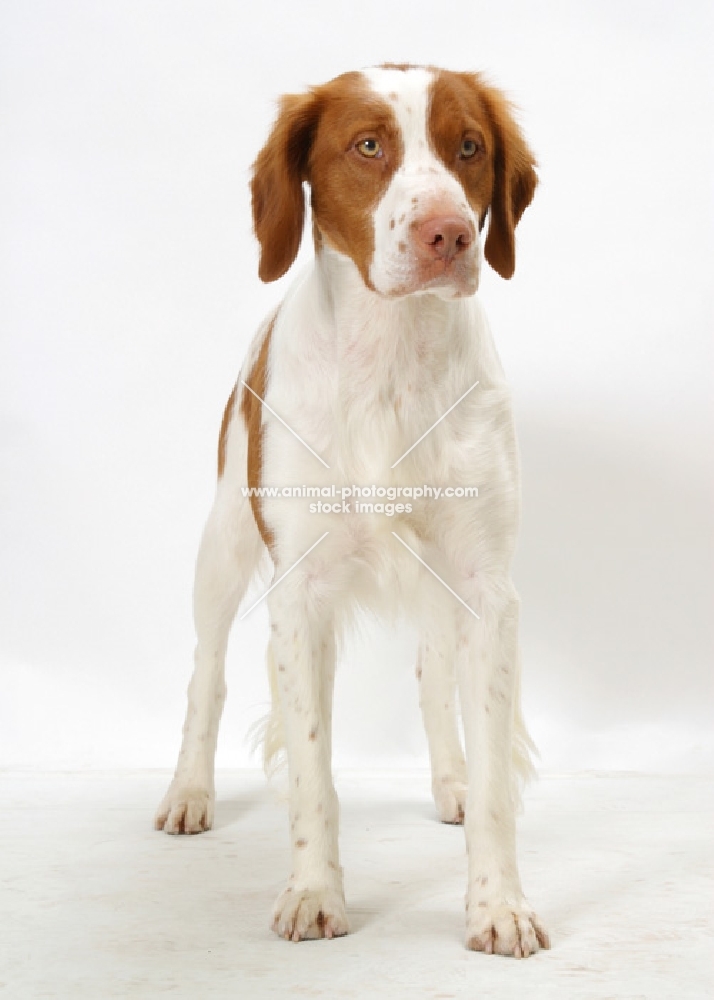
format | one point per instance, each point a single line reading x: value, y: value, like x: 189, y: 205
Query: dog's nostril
x: 445, y: 236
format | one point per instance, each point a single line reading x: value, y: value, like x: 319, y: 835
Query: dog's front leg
x: 499, y: 919
x: 313, y: 904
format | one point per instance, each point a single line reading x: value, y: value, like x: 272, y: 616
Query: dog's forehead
x: 407, y: 92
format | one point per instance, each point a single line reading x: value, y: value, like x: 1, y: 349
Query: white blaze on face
x: 422, y: 186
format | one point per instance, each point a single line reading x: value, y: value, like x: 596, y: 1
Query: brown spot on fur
x: 402, y: 247
x: 252, y: 410
x: 402, y: 67
x: 496, y: 693
x: 301, y: 843
x: 313, y: 734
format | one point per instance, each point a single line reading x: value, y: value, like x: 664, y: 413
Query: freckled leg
x: 437, y: 698
x: 499, y: 920
x: 229, y: 550
x: 325, y: 654
x: 312, y: 905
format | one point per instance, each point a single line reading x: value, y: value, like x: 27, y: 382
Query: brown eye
x: 469, y: 148
x: 369, y: 147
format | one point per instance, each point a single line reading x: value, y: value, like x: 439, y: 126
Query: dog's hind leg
x: 437, y: 698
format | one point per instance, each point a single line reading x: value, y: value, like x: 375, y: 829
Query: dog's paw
x: 302, y: 914
x: 450, y: 799
x: 504, y: 929
x: 185, y: 809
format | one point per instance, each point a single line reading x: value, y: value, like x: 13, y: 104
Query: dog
x: 377, y: 372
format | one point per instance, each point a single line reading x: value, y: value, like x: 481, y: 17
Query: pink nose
x: 444, y: 236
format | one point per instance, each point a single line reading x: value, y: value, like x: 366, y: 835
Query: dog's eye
x: 469, y: 148
x: 369, y: 147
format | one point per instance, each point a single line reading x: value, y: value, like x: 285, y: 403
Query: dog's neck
x: 364, y: 323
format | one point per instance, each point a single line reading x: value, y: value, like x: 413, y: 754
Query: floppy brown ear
x: 514, y: 182
x: 276, y: 188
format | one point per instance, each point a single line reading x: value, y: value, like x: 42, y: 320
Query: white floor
x: 95, y: 904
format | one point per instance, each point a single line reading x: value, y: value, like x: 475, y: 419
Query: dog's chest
x: 385, y: 398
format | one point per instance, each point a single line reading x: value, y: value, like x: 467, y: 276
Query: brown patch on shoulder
x: 225, y: 424
x: 252, y: 411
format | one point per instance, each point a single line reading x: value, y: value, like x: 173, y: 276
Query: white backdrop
x: 128, y: 294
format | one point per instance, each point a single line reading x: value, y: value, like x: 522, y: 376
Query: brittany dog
x: 378, y: 367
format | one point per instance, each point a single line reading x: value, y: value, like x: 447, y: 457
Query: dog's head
x: 404, y: 165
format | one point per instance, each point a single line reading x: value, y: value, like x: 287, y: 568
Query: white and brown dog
x: 377, y: 368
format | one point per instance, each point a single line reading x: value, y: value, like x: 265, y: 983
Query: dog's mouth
x: 457, y: 277
x: 454, y: 270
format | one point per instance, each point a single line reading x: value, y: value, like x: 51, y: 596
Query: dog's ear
x: 514, y: 181
x: 276, y: 188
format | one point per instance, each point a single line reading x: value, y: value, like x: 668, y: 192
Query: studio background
x: 129, y: 293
